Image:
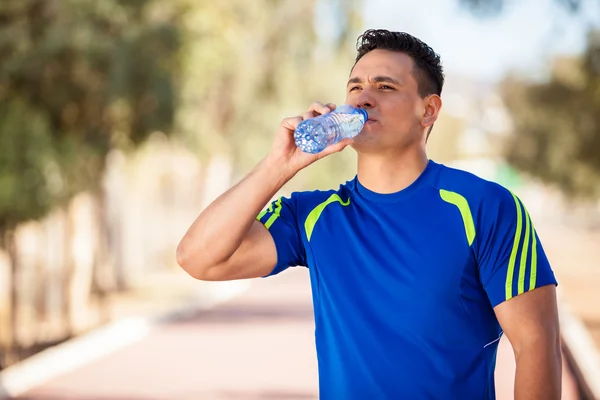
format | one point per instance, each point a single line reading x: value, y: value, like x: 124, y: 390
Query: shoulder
x: 306, y: 201
x: 477, y: 191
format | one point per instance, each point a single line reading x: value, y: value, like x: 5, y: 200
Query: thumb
x: 335, y: 148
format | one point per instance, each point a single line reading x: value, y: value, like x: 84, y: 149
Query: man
x: 416, y: 268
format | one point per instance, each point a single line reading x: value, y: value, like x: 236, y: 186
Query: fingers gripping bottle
x: 314, y: 134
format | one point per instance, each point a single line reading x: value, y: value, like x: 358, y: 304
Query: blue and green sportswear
x: 404, y: 285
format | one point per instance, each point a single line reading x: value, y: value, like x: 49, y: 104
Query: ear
x: 432, y: 106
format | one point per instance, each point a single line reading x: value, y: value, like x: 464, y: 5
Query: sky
x: 522, y: 37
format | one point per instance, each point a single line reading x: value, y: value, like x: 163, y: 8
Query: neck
x: 393, y: 172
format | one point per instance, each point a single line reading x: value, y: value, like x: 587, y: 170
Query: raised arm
x: 226, y: 242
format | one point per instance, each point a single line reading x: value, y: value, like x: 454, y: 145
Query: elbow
x: 189, y: 261
x: 550, y: 345
x: 194, y: 262
x: 543, y: 350
x: 182, y: 256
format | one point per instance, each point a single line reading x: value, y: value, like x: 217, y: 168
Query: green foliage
x: 25, y: 190
x: 557, y: 124
x: 243, y: 63
x: 252, y: 63
x: 79, y: 77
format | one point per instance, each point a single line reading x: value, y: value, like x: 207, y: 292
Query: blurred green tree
x: 251, y: 64
x: 556, y: 135
x: 81, y: 77
x: 557, y: 124
x: 77, y: 78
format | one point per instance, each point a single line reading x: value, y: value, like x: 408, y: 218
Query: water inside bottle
x: 314, y: 135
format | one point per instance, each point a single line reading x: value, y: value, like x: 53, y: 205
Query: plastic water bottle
x: 314, y: 134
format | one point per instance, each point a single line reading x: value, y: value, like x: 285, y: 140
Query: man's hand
x: 530, y: 322
x: 284, y: 148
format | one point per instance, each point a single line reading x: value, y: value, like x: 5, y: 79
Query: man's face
x: 382, y: 83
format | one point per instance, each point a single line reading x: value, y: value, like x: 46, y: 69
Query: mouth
x: 370, y: 121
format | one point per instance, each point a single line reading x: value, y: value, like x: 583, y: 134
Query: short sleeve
x: 509, y: 253
x: 280, y: 219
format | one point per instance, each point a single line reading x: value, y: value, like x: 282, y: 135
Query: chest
x: 404, y: 248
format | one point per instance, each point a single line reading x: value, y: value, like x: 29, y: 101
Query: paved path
x: 257, y: 346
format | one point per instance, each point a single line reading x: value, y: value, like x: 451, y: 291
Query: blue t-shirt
x: 404, y: 284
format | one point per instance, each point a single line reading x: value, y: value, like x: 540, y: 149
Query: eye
x: 353, y: 88
x: 386, y: 87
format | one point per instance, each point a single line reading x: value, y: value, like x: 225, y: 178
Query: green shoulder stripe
x: 529, y: 238
x: 275, y: 209
x: 525, y: 240
x: 533, y: 273
x: 513, y: 254
x: 275, y: 215
x: 262, y: 214
x: 313, y: 216
x: 463, y: 206
x: 524, y: 252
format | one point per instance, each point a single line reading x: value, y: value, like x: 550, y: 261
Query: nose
x: 365, y: 99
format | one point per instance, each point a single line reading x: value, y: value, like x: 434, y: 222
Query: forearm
x: 219, y: 230
x: 538, y: 374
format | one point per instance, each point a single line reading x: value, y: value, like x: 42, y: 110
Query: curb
x: 581, y: 353
x: 102, y: 341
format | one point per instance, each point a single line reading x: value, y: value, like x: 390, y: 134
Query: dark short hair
x: 428, y: 65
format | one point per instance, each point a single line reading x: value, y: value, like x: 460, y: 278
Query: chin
x: 367, y: 144
x: 371, y: 126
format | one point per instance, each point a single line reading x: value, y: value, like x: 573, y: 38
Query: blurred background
x: 121, y: 119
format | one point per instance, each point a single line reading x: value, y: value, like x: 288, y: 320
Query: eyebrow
x: 376, y: 79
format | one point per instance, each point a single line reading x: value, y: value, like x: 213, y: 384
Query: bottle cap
x: 364, y: 113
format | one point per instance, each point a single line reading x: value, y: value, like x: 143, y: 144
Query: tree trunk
x: 41, y: 295
x: 219, y: 173
x: 103, y: 281
x: 84, y: 233
x: 110, y: 273
x: 8, y: 313
x: 66, y: 275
